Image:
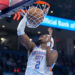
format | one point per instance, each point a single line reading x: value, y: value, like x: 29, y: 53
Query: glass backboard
x: 14, y: 6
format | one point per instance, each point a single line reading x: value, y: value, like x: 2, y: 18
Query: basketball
x: 34, y: 17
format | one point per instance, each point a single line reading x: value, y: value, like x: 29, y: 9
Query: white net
x: 34, y: 17
x: 33, y: 20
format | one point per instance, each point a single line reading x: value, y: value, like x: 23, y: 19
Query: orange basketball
x: 35, y: 16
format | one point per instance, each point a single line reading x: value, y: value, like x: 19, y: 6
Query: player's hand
x: 50, y: 30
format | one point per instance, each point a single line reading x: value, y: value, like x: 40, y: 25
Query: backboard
x: 14, y: 6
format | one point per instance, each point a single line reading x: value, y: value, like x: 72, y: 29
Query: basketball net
x: 33, y: 24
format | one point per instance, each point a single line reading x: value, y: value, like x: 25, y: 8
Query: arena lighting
x: 15, y: 70
x: 39, y: 32
x: 51, y: 11
x: 56, y: 22
x: 18, y: 70
x: 3, y: 39
x: 30, y: 39
x: 74, y: 47
x: 3, y: 26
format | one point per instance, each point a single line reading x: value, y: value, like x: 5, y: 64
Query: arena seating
x: 11, y: 60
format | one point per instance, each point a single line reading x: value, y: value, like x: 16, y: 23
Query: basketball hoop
x: 34, y: 21
x: 44, y: 6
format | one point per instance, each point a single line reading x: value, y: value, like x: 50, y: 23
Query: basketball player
x: 42, y: 58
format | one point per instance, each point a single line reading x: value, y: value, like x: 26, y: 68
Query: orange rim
x: 42, y: 2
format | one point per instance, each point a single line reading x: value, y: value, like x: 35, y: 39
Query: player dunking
x: 42, y: 58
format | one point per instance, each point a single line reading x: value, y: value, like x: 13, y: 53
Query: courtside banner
x: 61, y: 23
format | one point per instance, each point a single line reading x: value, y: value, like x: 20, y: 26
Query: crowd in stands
x: 11, y: 60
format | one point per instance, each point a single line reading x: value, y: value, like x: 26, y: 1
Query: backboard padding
x: 14, y: 8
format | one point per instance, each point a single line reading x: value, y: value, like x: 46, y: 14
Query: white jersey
x: 37, y: 63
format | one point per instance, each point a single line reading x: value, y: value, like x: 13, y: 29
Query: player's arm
x: 50, y: 30
x: 24, y: 39
x: 51, y: 40
x: 51, y: 56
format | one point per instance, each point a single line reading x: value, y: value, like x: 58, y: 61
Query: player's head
x: 44, y: 38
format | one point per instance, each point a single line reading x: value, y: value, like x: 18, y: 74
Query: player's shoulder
x: 35, y: 48
x: 51, y: 49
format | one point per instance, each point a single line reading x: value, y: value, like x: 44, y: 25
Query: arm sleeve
x: 21, y: 26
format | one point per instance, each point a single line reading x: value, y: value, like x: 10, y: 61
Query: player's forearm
x: 25, y: 41
x: 51, y: 57
x: 48, y: 57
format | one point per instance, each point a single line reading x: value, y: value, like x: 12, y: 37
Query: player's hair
x: 38, y: 42
x: 44, y: 33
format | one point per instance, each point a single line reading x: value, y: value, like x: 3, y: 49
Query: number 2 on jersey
x: 37, y: 65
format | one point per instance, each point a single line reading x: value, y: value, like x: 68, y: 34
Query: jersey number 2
x: 37, y: 65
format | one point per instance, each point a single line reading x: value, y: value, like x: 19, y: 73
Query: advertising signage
x: 56, y: 22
